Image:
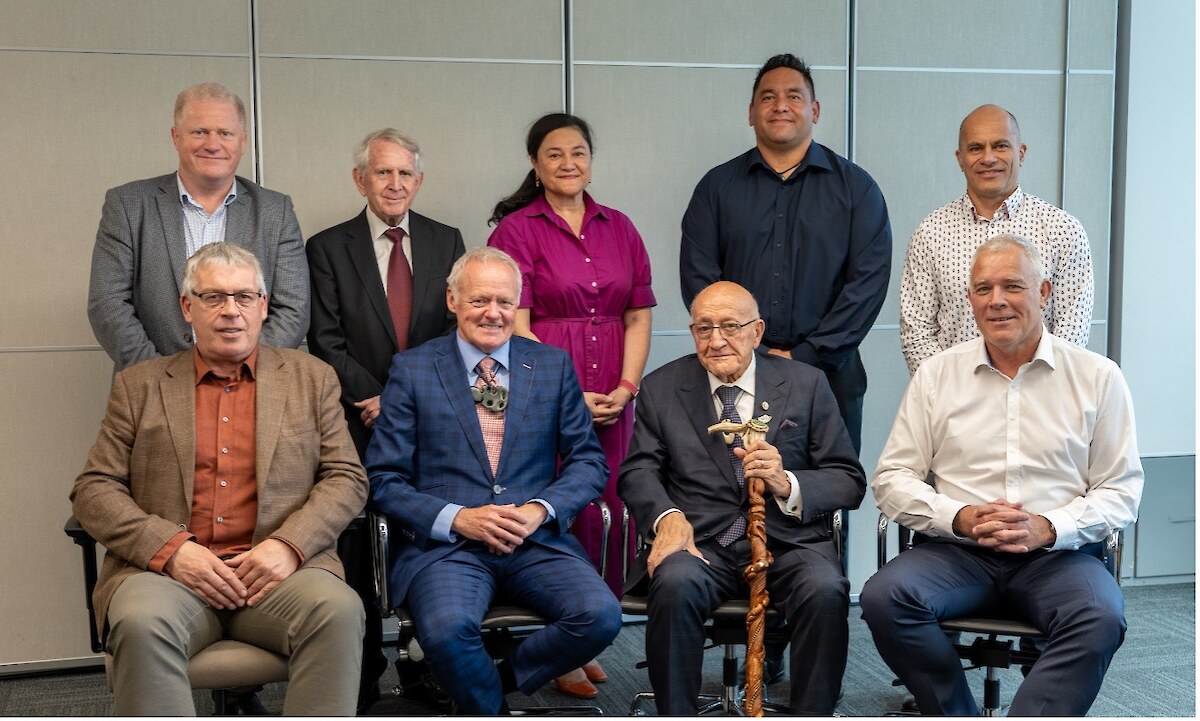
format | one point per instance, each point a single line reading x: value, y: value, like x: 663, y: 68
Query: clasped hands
x: 606, y: 408
x: 500, y: 528
x: 243, y: 580
x: 1005, y: 527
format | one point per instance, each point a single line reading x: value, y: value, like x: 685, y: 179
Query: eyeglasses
x: 728, y: 329
x: 214, y: 300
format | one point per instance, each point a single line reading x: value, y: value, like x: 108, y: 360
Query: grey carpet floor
x: 1154, y: 673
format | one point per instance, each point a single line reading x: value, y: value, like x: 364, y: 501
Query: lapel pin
x: 766, y: 406
x: 527, y: 366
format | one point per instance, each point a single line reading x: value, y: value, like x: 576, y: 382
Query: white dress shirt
x: 1059, y: 438
x: 934, y: 311
x: 383, y: 244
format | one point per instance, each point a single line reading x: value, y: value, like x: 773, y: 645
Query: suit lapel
x: 769, y: 390
x: 697, y: 403
x: 360, y: 246
x: 520, y: 397
x: 178, y: 390
x: 453, y: 377
x: 421, y: 236
x: 170, y: 217
x: 271, y: 381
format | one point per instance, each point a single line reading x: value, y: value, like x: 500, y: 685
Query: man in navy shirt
x: 803, y: 229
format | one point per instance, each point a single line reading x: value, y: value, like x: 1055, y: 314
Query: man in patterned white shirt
x: 934, y: 312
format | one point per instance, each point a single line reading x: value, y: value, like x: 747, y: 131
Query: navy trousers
x: 805, y: 583
x: 1069, y: 595
x: 449, y: 598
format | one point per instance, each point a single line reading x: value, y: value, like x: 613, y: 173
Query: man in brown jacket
x: 219, y: 482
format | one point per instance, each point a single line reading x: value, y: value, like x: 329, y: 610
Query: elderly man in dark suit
x: 378, y: 287
x: 149, y: 228
x: 686, y: 489
x: 483, y: 455
x: 219, y: 482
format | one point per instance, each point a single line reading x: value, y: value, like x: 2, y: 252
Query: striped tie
x: 492, y: 424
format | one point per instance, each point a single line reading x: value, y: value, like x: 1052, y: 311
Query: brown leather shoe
x: 578, y: 689
x: 594, y: 671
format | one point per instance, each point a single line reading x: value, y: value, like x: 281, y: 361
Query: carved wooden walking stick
x: 760, y: 559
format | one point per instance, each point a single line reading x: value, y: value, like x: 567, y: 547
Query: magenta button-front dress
x: 576, y: 290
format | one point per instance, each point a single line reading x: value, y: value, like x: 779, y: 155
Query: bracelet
x: 627, y: 385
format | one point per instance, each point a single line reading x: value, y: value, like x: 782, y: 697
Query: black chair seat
x: 989, y: 626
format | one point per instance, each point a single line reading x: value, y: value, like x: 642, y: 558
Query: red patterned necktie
x: 491, y: 423
x: 728, y: 396
x: 399, y: 287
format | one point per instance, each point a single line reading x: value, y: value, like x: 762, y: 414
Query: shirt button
x: 594, y: 366
x: 224, y: 450
x: 224, y: 483
x: 582, y: 236
x: 225, y: 419
x: 593, y: 337
x: 593, y: 284
x: 591, y: 310
x: 587, y: 260
x: 228, y: 389
x: 220, y: 519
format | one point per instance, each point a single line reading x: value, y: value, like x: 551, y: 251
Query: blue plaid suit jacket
x: 428, y: 450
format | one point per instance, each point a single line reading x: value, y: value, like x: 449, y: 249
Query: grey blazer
x: 139, y: 256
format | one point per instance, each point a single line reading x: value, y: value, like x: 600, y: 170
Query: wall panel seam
x: 126, y: 51
x: 408, y: 58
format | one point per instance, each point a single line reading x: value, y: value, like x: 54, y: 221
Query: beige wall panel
x: 1025, y: 34
x: 529, y: 29
x: 87, y: 122
x: 657, y: 131
x: 1088, y: 172
x: 908, y: 131
x: 470, y: 120
x: 709, y: 31
x: 180, y: 26
x: 1092, y: 34
x: 58, y: 400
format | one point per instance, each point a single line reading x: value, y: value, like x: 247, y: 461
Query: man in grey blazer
x: 683, y: 488
x: 149, y: 228
x: 363, y: 313
x: 219, y: 483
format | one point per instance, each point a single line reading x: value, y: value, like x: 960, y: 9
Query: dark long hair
x: 529, y: 191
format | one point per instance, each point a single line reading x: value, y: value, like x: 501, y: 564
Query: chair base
x: 730, y: 702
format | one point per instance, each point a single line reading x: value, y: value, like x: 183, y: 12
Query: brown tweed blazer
x: 135, y: 492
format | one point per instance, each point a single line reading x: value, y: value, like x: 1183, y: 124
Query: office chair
x: 225, y: 666
x: 503, y: 626
x: 993, y: 644
x: 727, y: 628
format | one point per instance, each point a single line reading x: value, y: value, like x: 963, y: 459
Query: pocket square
x: 787, y: 423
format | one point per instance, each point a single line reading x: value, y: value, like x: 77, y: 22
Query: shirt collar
x: 1043, y: 353
x: 378, y: 226
x: 541, y: 206
x: 203, y: 369
x: 1009, y: 207
x: 472, y: 355
x: 185, y: 198
x: 817, y: 156
x: 746, y: 382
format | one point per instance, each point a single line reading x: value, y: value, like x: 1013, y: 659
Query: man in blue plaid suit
x: 480, y: 524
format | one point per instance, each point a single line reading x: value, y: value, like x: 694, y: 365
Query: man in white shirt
x: 934, y: 313
x: 1012, y: 456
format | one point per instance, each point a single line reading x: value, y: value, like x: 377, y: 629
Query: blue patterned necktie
x: 728, y: 395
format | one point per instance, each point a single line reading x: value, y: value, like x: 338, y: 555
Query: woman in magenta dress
x: 586, y: 289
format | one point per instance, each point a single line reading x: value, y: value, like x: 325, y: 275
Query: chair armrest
x: 605, y: 526
x: 379, y: 560
x: 90, y: 575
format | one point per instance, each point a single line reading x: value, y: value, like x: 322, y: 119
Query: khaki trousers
x: 156, y: 624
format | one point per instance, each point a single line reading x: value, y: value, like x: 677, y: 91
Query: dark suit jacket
x: 428, y: 449
x: 674, y: 462
x: 351, y: 326
x: 135, y: 492
x: 139, y: 257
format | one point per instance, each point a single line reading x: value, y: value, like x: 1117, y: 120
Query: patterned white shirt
x: 1059, y: 438
x: 934, y: 310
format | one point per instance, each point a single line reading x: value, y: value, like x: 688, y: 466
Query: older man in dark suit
x: 219, y: 482
x: 483, y: 455
x: 686, y: 489
x: 378, y: 287
x: 149, y: 228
